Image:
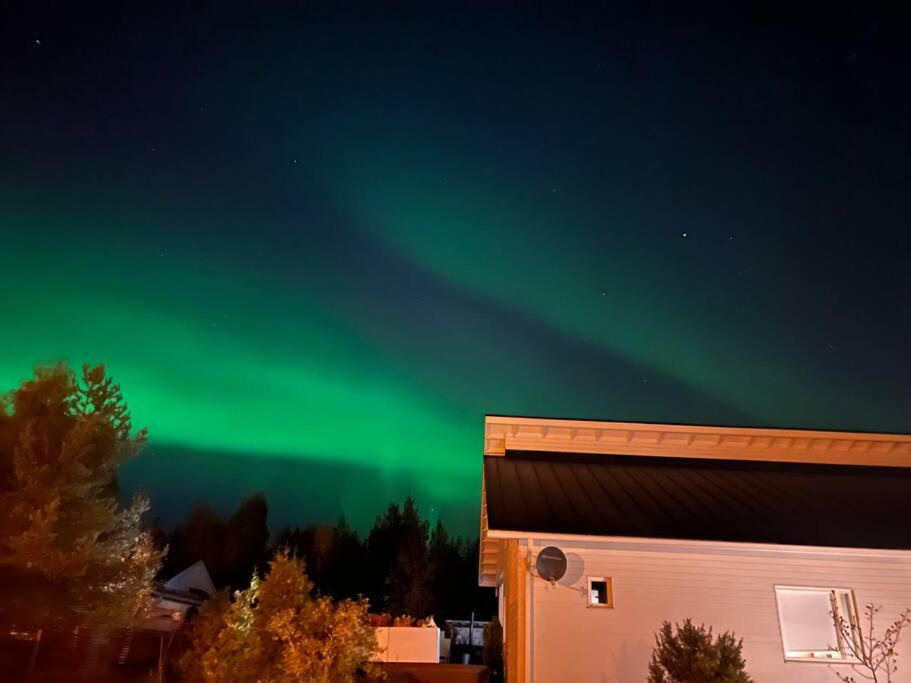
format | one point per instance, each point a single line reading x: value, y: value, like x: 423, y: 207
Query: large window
x: 808, y: 616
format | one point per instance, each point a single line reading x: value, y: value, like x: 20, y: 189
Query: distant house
x: 105, y: 653
x: 179, y: 598
x: 764, y: 532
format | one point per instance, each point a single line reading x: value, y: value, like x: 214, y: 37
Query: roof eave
x: 502, y: 434
x: 489, y: 551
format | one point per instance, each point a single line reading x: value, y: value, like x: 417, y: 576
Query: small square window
x: 600, y: 591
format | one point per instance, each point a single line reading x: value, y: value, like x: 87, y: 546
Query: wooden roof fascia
x: 502, y: 434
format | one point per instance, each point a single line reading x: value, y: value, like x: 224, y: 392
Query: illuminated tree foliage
x: 67, y: 551
x: 688, y: 654
x: 277, y: 630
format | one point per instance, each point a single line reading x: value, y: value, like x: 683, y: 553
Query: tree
x: 409, y: 577
x: 399, y: 570
x: 201, y: 537
x: 493, y: 649
x: 876, y: 655
x: 276, y: 630
x: 198, y: 636
x: 401, y: 566
x: 445, y: 559
x: 347, y: 562
x: 61, y: 441
x: 689, y: 655
x: 454, y: 588
x: 334, y: 556
x: 247, y: 535
x: 382, y: 545
x: 231, y: 550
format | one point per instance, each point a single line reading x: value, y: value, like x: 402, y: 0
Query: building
x: 758, y: 531
x: 179, y: 598
x: 174, y: 603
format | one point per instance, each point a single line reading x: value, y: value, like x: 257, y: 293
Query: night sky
x: 316, y: 246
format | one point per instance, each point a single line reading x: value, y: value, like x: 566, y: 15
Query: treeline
x: 401, y: 565
x: 232, y: 548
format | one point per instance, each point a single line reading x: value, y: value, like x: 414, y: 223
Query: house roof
x: 689, y: 482
x: 186, y: 589
x: 193, y: 578
x: 708, y: 499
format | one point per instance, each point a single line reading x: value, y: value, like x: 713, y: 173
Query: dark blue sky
x: 317, y: 243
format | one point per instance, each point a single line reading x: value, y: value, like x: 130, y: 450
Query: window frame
x: 844, y: 654
x: 609, y: 592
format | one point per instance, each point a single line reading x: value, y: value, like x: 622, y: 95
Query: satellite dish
x: 551, y: 564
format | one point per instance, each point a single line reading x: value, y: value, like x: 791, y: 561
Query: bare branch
x: 876, y: 655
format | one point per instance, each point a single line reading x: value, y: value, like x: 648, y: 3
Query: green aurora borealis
x: 315, y: 256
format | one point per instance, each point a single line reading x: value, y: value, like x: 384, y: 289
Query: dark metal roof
x: 699, y: 499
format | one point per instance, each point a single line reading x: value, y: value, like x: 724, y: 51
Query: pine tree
x: 61, y: 441
x: 247, y: 535
x: 447, y: 575
x: 409, y: 577
x: 688, y: 654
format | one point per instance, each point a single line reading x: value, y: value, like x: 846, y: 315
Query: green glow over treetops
x: 215, y: 363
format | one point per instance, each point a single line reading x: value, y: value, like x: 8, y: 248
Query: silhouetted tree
x: 344, y: 579
x: 493, y: 650
x: 409, y: 578
x: 474, y: 598
x: 231, y: 550
x: 447, y: 578
x: 382, y: 545
x: 247, y: 533
x: 201, y: 537
x: 300, y: 543
x: 401, y: 566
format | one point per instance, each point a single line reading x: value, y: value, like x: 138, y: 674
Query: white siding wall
x: 727, y: 588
